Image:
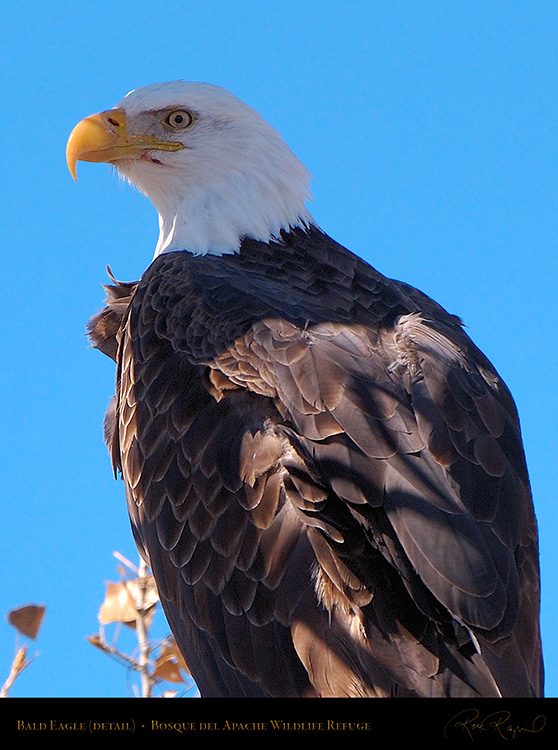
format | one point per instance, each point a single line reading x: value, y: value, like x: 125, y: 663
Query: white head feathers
x: 234, y: 178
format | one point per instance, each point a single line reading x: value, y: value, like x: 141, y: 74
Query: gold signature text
x: 471, y: 723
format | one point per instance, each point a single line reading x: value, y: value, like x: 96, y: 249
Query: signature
x: 471, y: 723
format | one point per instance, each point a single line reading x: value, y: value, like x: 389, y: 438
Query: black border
x: 439, y: 722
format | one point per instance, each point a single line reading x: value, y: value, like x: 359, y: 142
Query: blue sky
x: 430, y: 129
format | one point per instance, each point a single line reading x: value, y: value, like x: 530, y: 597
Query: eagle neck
x: 203, y: 224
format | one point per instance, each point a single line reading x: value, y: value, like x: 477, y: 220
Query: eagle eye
x: 179, y: 120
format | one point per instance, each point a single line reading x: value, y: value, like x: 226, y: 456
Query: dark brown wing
x: 208, y: 512
x: 328, y: 480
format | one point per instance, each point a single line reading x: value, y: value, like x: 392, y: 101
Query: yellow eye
x: 179, y: 119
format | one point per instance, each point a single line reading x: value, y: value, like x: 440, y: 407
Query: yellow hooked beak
x: 104, y: 138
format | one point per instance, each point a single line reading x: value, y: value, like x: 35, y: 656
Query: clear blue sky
x: 431, y: 132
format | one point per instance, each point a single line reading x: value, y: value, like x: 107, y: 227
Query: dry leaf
x: 27, y: 619
x: 119, y: 605
x: 123, y: 599
x: 172, y: 649
x: 167, y: 670
x: 169, y: 663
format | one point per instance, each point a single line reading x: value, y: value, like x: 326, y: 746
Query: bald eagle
x: 323, y: 472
